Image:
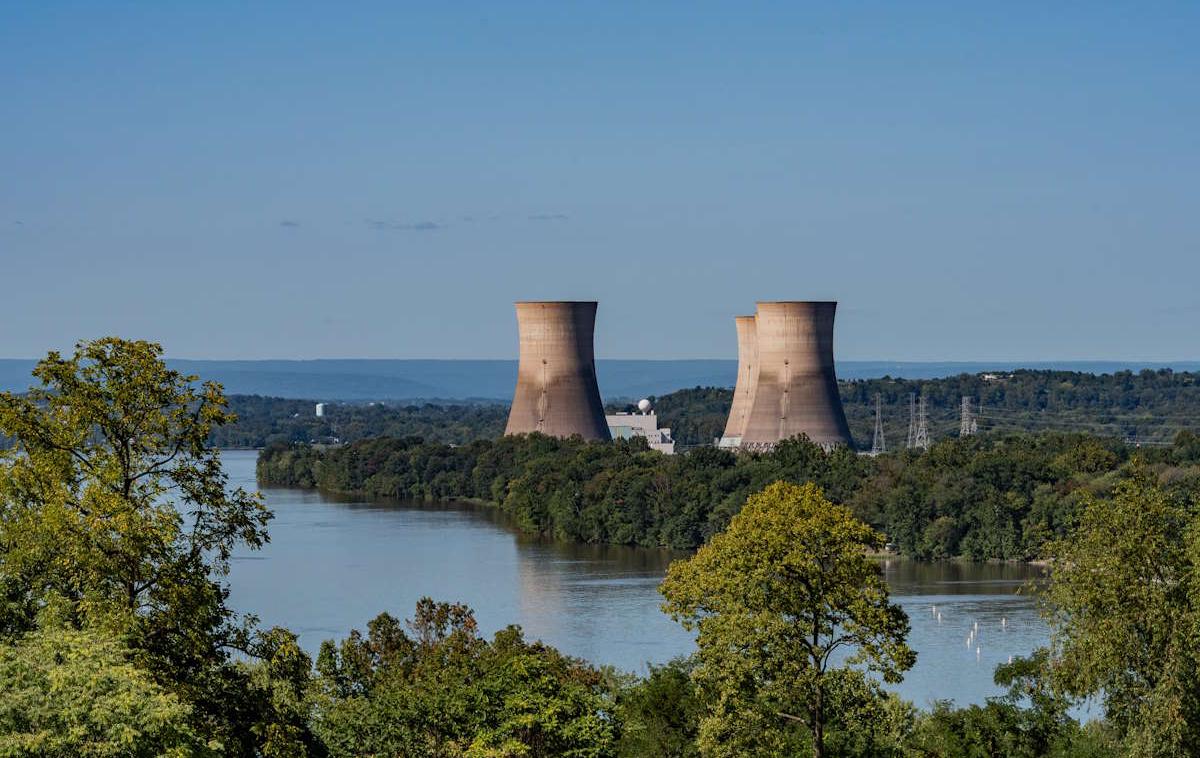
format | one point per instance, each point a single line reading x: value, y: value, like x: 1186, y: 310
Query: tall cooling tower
x: 797, y: 390
x: 556, y: 378
x: 747, y: 378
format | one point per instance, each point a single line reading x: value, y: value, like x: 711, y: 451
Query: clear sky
x: 250, y: 180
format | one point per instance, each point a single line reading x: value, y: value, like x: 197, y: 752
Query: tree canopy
x: 1124, y: 605
x: 790, y: 611
x: 116, y: 515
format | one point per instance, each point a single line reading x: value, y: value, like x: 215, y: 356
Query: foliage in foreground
x: 440, y: 689
x: 1124, y: 604
x: 75, y: 692
x: 773, y: 598
x: 116, y: 516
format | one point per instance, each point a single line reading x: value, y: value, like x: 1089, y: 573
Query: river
x: 332, y: 566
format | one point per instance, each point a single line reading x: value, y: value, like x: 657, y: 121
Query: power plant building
x: 556, y: 391
x: 747, y: 378
x: 643, y: 423
x: 796, y: 390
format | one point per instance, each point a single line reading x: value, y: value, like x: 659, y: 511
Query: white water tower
x: 320, y: 410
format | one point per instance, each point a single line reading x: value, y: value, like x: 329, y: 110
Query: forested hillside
x: 1149, y: 407
x: 264, y: 420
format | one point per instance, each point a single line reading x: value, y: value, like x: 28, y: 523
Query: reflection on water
x: 332, y: 566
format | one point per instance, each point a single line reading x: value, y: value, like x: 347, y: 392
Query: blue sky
x: 971, y: 181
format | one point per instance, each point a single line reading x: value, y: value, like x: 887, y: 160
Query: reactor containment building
x: 556, y: 391
x: 785, y: 362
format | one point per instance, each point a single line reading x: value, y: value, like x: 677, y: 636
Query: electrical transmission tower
x: 967, y: 424
x: 921, y: 439
x: 878, y: 445
x: 912, y: 420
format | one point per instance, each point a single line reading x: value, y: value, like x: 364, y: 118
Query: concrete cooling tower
x: 556, y: 377
x: 747, y: 378
x: 797, y: 390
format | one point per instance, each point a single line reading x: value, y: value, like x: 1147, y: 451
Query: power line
x: 967, y: 425
x: 922, y: 438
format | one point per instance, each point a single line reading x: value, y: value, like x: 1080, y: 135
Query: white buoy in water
x: 1003, y: 623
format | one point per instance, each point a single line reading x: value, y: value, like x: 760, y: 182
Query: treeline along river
x: 334, y: 562
x: 984, y: 497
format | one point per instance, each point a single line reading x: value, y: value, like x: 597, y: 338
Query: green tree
x: 66, y: 692
x: 1031, y: 720
x: 439, y: 690
x: 660, y: 713
x: 777, y: 599
x: 1124, y: 607
x: 113, y: 508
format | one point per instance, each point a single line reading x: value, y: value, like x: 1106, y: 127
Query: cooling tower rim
x: 556, y: 302
x: 797, y: 302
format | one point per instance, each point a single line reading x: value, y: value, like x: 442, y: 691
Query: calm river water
x: 332, y: 566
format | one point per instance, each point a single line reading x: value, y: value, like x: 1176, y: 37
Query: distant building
x: 320, y: 410
x: 623, y: 426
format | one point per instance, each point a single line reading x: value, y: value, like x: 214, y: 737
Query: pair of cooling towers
x: 786, y: 384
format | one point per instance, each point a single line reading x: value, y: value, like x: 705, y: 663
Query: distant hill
x: 364, y: 379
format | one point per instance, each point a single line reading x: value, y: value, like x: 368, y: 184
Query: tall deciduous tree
x: 790, y: 610
x: 114, y: 509
x: 1124, y: 606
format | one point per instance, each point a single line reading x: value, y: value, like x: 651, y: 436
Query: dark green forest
x: 1148, y: 407
x: 998, y: 496
x: 264, y: 420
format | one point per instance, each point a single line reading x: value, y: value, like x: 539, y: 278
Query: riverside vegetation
x: 117, y: 525
x: 982, y: 497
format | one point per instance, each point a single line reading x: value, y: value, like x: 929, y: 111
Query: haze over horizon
x: 972, y: 183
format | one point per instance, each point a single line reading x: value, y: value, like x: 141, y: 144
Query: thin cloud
x: 290, y: 224
x: 420, y: 226
x: 548, y: 217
